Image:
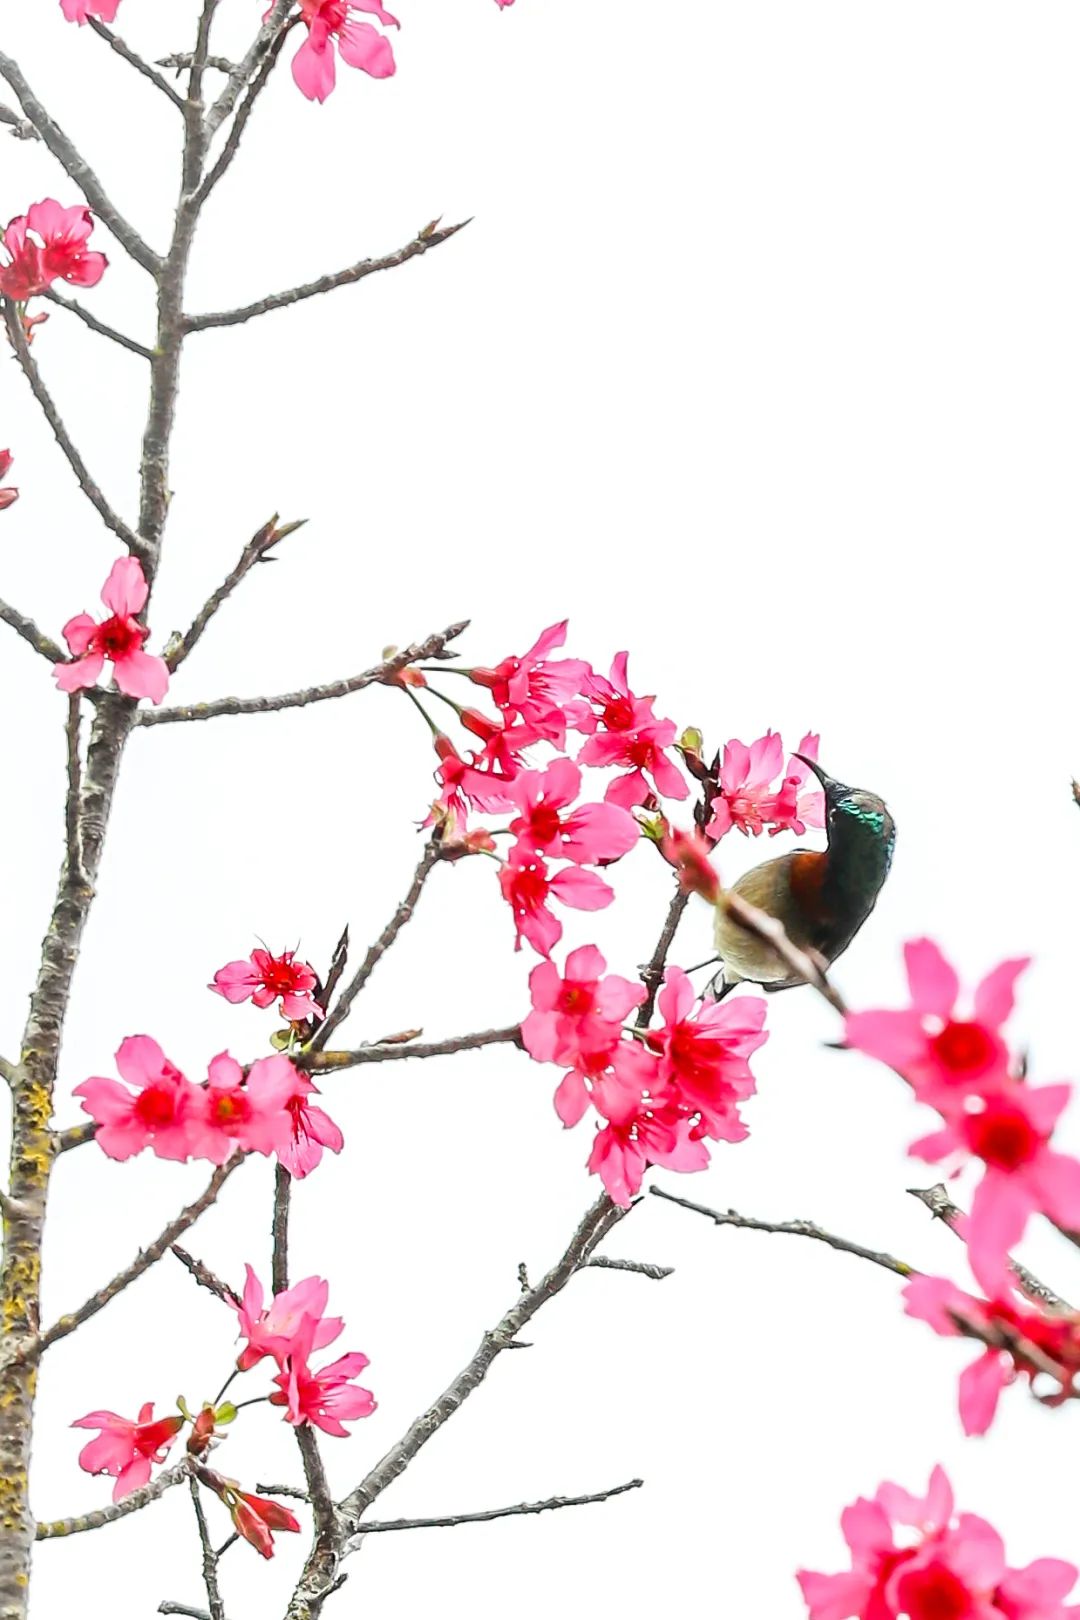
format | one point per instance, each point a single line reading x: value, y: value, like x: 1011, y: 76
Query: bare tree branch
x: 245, y: 70
x: 135, y: 60
x: 801, y: 963
x: 50, y: 1529
x: 95, y: 325
x: 420, y: 243
x: 247, y: 107
x: 805, y: 1229
x: 21, y: 128
x: 181, y: 61
x: 63, y: 438
x: 338, y: 1014
x: 31, y: 1349
x: 74, y: 792
x: 168, y: 1607
x: 209, y: 1557
x: 261, y: 542
x: 485, y: 1517
x: 432, y: 647
x: 31, y: 634
x: 376, y: 1053
x: 205, y: 1277
x: 76, y: 167
x: 643, y: 1267
x: 652, y: 974
x: 941, y: 1206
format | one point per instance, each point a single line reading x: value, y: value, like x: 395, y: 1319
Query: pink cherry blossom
x: 161, y: 1110
x: 704, y: 1050
x: 800, y: 803
x: 1037, y: 1592
x: 623, y: 731
x: 326, y: 1399
x: 47, y: 244
x: 464, y: 785
x: 279, y: 1329
x: 952, y: 1313
x: 125, y: 1449
x: 9, y: 496
x: 311, y: 1129
x: 639, y: 1133
x: 359, y: 44
x: 1023, y: 1175
x: 591, y: 833
x: 613, y: 1072
x: 80, y: 11
x: 118, y: 638
x: 527, y: 887
x: 265, y: 977
x: 944, y: 1058
x: 562, y: 1004
x: 534, y: 690
x: 249, y: 1112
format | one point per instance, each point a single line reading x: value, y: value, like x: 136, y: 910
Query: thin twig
x: 283, y: 1490
x: 421, y: 243
x: 76, y: 1136
x: 166, y: 1606
x: 280, y: 1229
x: 31, y: 1349
x: 122, y: 48
x: 385, y: 671
x: 265, y: 537
x: 204, y: 1276
x: 652, y: 974
x: 180, y: 62
x: 376, y: 1053
x: 518, y: 1508
x: 340, y: 1011
x: 75, y: 165
x: 209, y: 1557
x: 74, y: 787
x: 807, y: 1229
x: 21, y: 128
x: 643, y: 1267
x: 247, y: 106
x: 30, y: 633
x: 63, y: 438
x: 941, y: 1206
x: 50, y: 1529
x: 591, y: 1230
x: 244, y: 71
x: 767, y: 928
x: 100, y: 327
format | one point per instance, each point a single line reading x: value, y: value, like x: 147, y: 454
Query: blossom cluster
x: 266, y: 1109
x: 991, y: 1115
x: 47, y: 244
x: 942, y: 1566
x: 660, y: 1092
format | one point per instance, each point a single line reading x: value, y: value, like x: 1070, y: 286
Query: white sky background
x: 759, y: 359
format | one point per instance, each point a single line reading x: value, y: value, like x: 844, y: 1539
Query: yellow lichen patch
x: 22, y: 1275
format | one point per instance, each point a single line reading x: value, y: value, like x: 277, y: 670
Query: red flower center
x: 964, y: 1048
x: 530, y: 888
x: 280, y: 976
x: 641, y: 753
x: 618, y: 715
x: 156, y: 1106
x: 230, y: 1106
x: 934, y: 1594
x: 544, y: 824
x: 1003, y: 1137
x: 576, y: 999
x: 118, y: 637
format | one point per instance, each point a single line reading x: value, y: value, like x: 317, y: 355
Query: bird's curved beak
x: 833, y: 789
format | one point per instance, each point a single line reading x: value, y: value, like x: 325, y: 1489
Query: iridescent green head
x: 849, y: 809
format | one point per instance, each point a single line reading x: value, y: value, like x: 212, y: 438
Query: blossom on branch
x: 568, y: 1008
x: 162, y: 1109
x: 944, y: 1058
x: 257, y: 1517
x: 118, y: 638
x: 688, y: 853
x: 535, y: 692
x: 637, y: 1134
x: 47, y: 244
x: 359, y: 44
x: 266, y: 978
x: 9, y: 496
x: 527, y: 886
x: 249, y: 1111
x: 590, y: 834
x: 276, y: 1330
x: 310, y: 1129
x: 1005, y: 1329
x: 747, y: 798
x: 1010, y: 1132
x: 326, y: 1399
x: 704, y: 1050
x: 622, y: 730
x: 944, y: 1567
x: 80, y: 11
x: 125, y: 1449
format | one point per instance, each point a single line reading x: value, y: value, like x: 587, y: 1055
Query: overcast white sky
x: 759, y: 359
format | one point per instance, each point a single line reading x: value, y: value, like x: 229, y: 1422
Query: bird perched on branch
x: 822, y: 898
